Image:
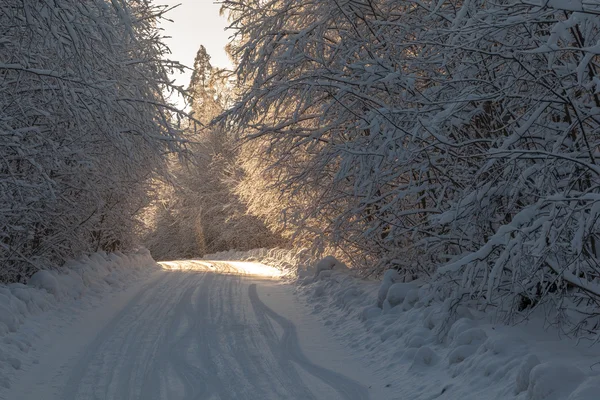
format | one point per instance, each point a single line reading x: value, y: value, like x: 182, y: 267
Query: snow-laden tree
x: 449, y: 138
x: 198, y: 211
x: 84, y: 126
x: 321, y: 87
x: 527, y: 219
x: 210, y: 88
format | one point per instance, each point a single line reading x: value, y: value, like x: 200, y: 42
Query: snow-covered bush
x: 84, y: 126
x: 328, y: 263
x: 400, y: 291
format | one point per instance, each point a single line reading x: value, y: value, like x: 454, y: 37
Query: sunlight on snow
x: 222, y: 267
x: 252, y: 268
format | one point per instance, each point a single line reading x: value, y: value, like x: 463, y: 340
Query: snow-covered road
x: 197, y: 330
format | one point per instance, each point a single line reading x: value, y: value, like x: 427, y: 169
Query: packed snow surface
x: 190, y: 330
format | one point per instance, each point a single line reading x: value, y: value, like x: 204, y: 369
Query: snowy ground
x: 131, y: 329
x: 191, y: 330
x: 51, y: 302
x: 428, y: 352
x: 411, y: 340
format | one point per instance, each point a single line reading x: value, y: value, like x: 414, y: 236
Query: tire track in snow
x: 288, y: 375
x: 193, y: 335
x: 223, y: 348
x: 145, y: 341
x: 172, y: 354
x: 114, y: 365
x: 86, y: 360
x: 290, y: 349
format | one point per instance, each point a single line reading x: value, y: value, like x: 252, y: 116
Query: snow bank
x: 553, y: 381
x: 429, y: 348
x: 329, y: 263
x: 389, y: 278
x: 399, y: 292
x: 85, y: 278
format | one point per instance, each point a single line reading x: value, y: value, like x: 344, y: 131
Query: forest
x: 456, y: 141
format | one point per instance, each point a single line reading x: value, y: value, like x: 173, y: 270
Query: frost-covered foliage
x: 199, y: 211
x: 449, y: 138
x: 83, y: 126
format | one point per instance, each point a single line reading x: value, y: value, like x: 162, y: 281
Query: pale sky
x: 195, y: 22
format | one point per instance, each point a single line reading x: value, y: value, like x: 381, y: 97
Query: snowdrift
x: 430, y: 347
x: 76, y: 285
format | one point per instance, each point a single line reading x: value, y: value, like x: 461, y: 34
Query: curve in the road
x: 194, y: 335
